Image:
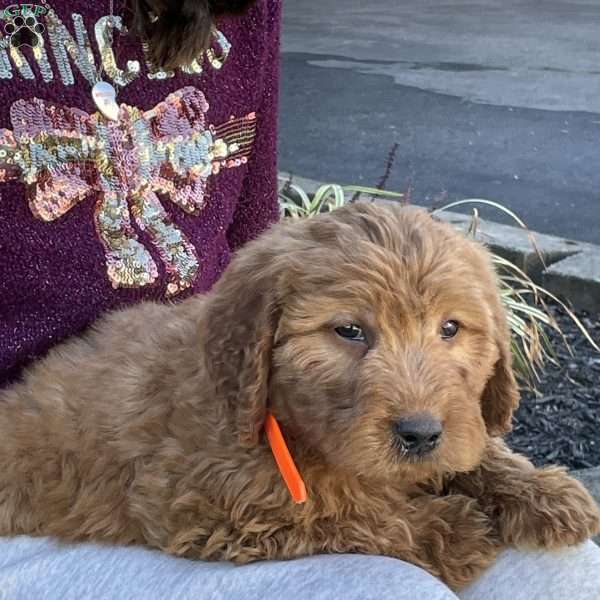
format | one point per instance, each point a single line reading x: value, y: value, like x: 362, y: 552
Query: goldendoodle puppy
x: 376, y: 337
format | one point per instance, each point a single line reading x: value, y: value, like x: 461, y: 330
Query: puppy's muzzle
x: 417, y: 434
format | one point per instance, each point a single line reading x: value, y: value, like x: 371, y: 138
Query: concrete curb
x: 567, y: 268
x: 591, y: 479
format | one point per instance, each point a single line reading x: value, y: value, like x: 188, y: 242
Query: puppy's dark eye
x: 351, y: 332
x: 449, y: 329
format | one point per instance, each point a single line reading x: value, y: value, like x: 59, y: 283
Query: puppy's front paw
x: 554, y: 511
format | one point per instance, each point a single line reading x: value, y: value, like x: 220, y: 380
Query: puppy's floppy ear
x: 501, y: 394
x: 238, y: 333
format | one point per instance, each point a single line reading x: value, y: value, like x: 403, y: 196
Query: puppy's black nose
x: 418, y: 434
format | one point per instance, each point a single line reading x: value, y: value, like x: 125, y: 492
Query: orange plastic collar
x: 284, y: 460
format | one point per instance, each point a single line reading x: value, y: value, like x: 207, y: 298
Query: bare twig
x: 389, y: 163
x: 388, y: 167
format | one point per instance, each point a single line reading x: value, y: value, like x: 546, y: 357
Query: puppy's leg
x: 533, y: 507
x: 450, y: 537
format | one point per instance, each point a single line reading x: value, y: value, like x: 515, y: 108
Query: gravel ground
x: 563, y: 425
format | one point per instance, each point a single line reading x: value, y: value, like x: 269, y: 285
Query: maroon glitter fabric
x: 61, y: 201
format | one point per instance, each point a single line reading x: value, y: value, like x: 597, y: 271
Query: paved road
x: 498, y: 100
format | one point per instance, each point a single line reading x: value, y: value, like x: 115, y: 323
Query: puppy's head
x: 374, y: 334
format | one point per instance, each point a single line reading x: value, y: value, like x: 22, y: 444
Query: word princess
x: 75, y: 49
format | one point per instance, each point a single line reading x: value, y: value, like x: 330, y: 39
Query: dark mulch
x: 563, y: 425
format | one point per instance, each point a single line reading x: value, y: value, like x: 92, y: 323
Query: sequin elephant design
x: 64, y: 155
